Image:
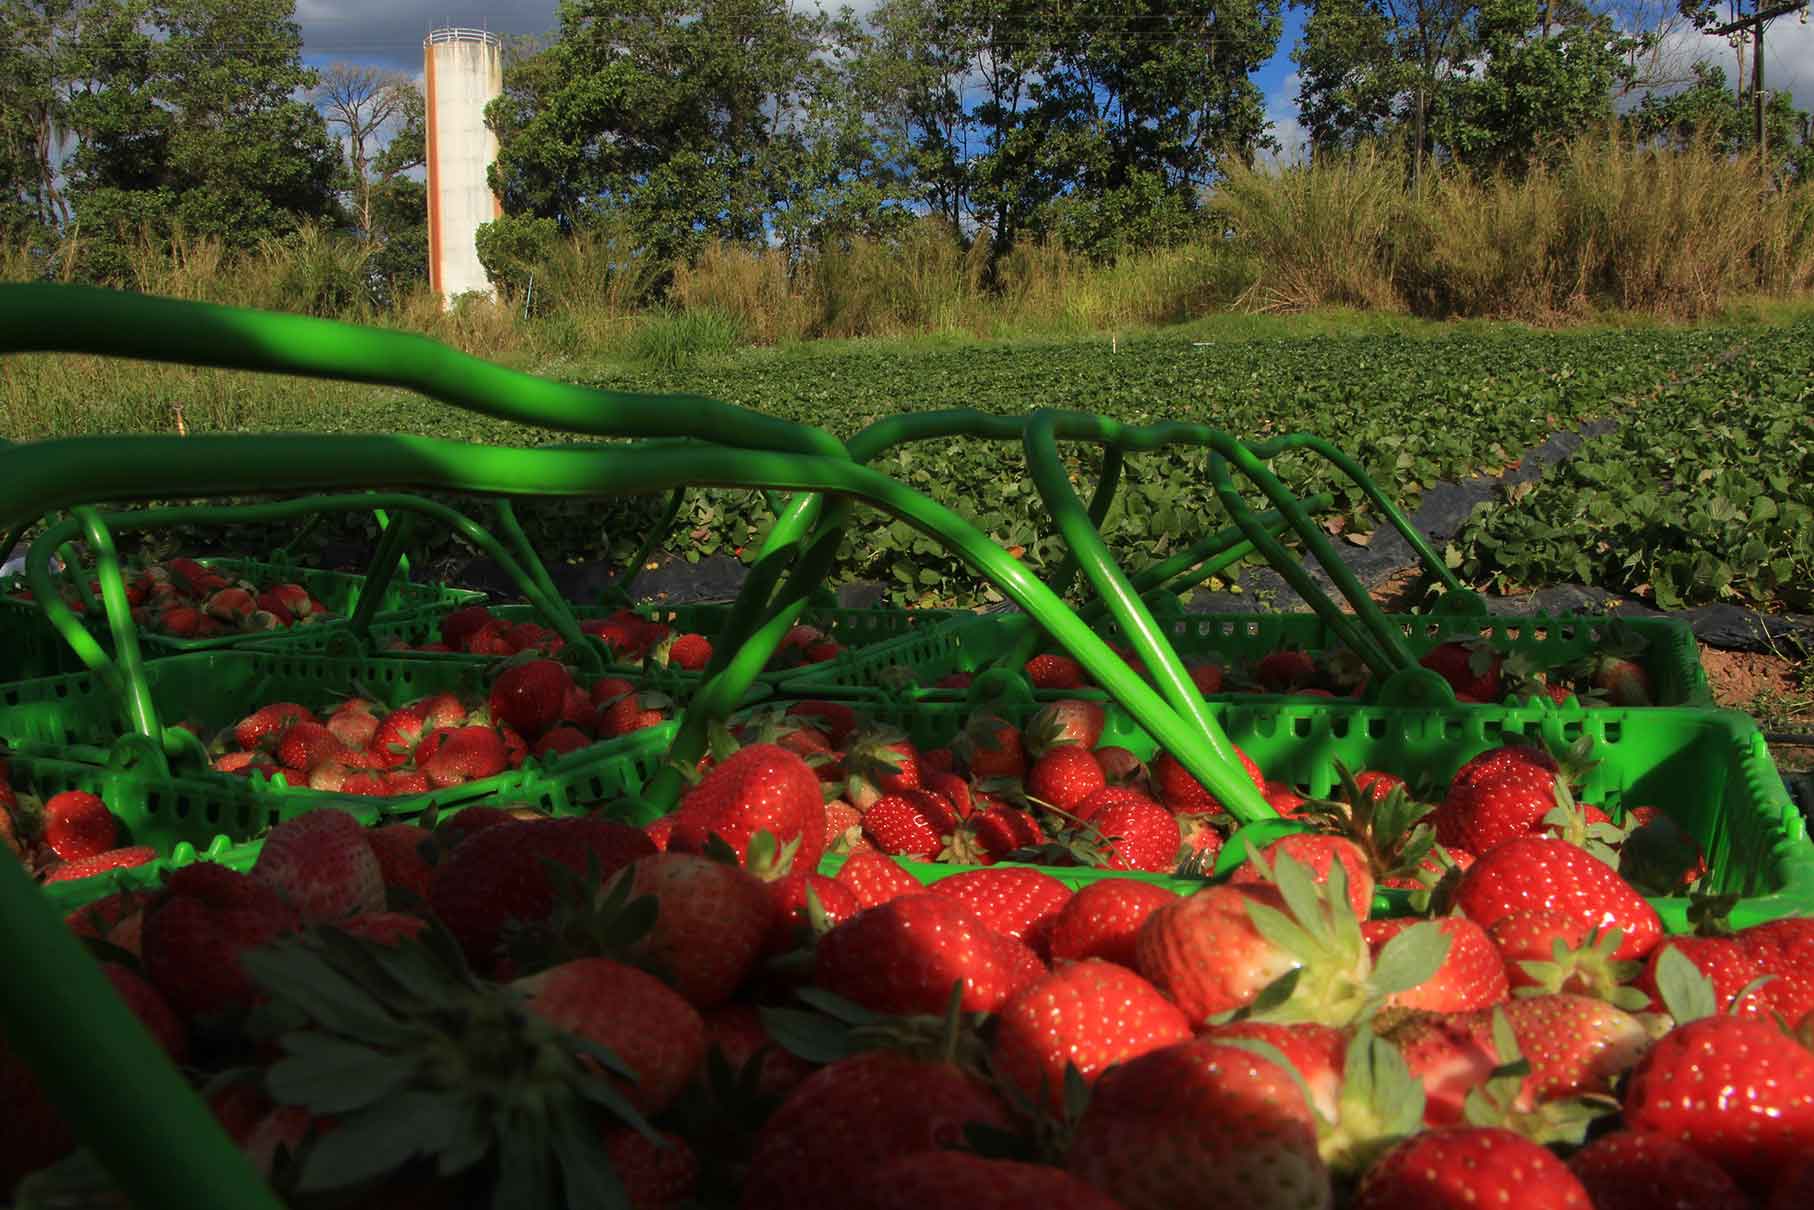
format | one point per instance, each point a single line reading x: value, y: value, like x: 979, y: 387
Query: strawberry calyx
x: 1505, y: 1100
x: 591, y: 917
x: 1588, y: 969
x: 1390, y: 829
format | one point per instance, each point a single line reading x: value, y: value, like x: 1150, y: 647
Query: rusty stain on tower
x: 463, y: 72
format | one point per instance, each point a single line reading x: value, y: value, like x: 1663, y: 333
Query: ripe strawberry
x: 354, y: 723
x: 848, y: 1115
x: 1522, y: 759
x: 836, y: 719
x: 924, y: 1179
x: 498, y: 873
x: 385, y: 928
x: 736, y: 1030
x: 1102, y: 919
x: 1072, y: 721
x: 953, y: 789
x: 457, y: 626
x: 903, y: 956
x: 1064, y: 777
x: 1481, y: 815
x: 530, y: 696
x: 1318, y: 852
x: 1727, y: 964
x: 1638, y: 1170
x: 115, y: 919
x: 230, y: 605
x: 761, y: 788
x: 197, y: 927
x: 466, y: 754
x: 1201, y: 1123
x: 1204, y: 952
x: 1090, y: 1015
x: 637, y: 1017
x: 102, y: 863
x: 1450, y: 1054
x: 1054, y: 671
x: 712, y: 923
x: 1184, y: 794
x: 1554, y: 952
x: 874, y: 878
x: 1283, y: 798
x: 656, y: 1173
x: 1471, y: 977
x: 261, y: 729
x: 322, y: 863
x: 1553, y: 875
x: 1471, y: 668
x: 911, y: 823
x: 1318, y: 1053
x: 792, y: 909
x: 1740, y: 1092
x: 1469, y: 1165
x: 691, y: 652
x: 1284, y: 671
x: 1019, y: 903
x: 1138, y: 834
x: 1784, y: 949
x: 1575, y: 1044
x: 76, y: 824
x: 879, y: 764
x: 305, y: 745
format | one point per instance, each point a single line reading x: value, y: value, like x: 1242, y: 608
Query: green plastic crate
x: 35, y: 649
x: 184, y: 819
x: 974, y: 643
x: 218, y: 688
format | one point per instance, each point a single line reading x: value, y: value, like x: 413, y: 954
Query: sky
x: 390, y: 35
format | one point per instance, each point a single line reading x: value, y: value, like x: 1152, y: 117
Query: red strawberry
x: 1575, y: 1044
x: 354, y: 724
x: 1638, y: 1170
x: 1450, y: 1054
x: 398, y: 735
x: 497, y: 873
x: 1458, y: 1166
x: 1480, y: 815
x: 1139, y: 834
x: 877, y: 766
x: 736, y: 1030
x: 322, y: 863
x: 305, y: 745
x: 1072, y: 721
x: 1064, y: 777
x: 836, y: 719
x: 713, y: 921
x: 1184, y: 794
x: 953, y: 789
x: 1784, y: 949
x: 911, y: 823
x: 925, y: 1179
x: 197, y: 927
x: 1556, y: 952
x: 1494, y: 763
x: 846, y: 1116
x: 561, y: 740
x: 637, y: 1017
x: 1553, y: 875
x: 656, y: 1174
x: 1738, y: 1091
x: 77, y: 824
x: 761, y: 788
x: 691, y: 652
x: 1282, y: 798
x: 1089, y: 1015
x: 385, y: 928
x: 466, y: 754
x: 1201, y: 1123
x: 792, y: 910
x: 874, y: 878
x: 531, y: 696
x: 1054, y: 671
x: 843, y: 825
x: 1205, y: 953
x: 1317, y: 853
x: 989, y: 836
x: 267, y: 723
x: 1726, y: 963
x: 457, y: 626
x: 102, y: 863
x: 1471, y: 668
x: 993, y: 748
x: 1471, y: 977
x: 905, y: 955
x: 1020, y: 903
x: 1284, y: 671
x: 1102, y: 919
x: 1318, y: 1053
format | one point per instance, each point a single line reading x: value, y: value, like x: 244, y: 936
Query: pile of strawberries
x: 497, y: 1005
x: 631, y: 638
x: 1477, y: 672
x: 68, y: 836
x: 534, y: 708
x: 182, y: 599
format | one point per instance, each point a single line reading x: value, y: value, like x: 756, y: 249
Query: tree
x: 361, y: 104
x: 188, y: 117
x: 35, y: 71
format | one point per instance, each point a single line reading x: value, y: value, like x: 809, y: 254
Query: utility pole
x: 1754, y: 24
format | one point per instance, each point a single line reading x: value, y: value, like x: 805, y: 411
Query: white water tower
x: 463, y: 72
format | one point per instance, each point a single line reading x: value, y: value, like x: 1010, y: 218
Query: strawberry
x: 322, y: 864
x: 196, y: 929
x: 1471, y: 977
x: 924, y: 1179
x: 1064, y: 777
x: 1784, y: 950
x: 991, y: 835
x: 1482, y: 814
x: 1740, y: 1092
x: 992, y: 748
x: 1019, y: 903
x: 1283, y: 798
x: 1317, y: 853
x: 761, y: 788
x: 102, y: 863
x: 1466, y: 1166
x: 1547, y: 952
x: 1724, y: 961
x: 114, y: 918
x: 466, y: 754
x: 1624, y: 681
x: 353, y: 723
x: 1102, y: 919
x: 874, y: 878
x: 793, y: 910
x: 836, y: 719
x: 398, y: 735
x: 230, y: 605
x: 656, y: 1173
x: 1318, y: 1053
x: 457, y: 626
x: 1184, y: 794
x: 736, y: 1031
x: 879, y: 764
x: 1574, y: 1044
x: 911, y: 823
x: 904, y: 955
x: 304, y: 745
x: 836, y: 1125
x: 261, y: 729
x: 1205, y: 953
x: 843, y: 825
x: 712, y: 922
x: 1284, y: 671
x: 646, y: 1024
x: 1450, y: 1054
x: 498, y: 873
x: 1138, y: 834
x: 1472, y: 669
x: 1201, y: 1123
x: 385, y: 928
x: 953, y: 789
x: 1523, y: 759
x: 691, y: 652
x: 1638, y: 1170
x: 76, y: 824
x: 1072, y: 721
x: 1553, y: 875
x: 1054, y: 671
x: 1088, y: 1015
x: 530, y: 696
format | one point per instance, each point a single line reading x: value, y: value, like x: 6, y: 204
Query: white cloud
x: 390, y: 34
x: 1788, y: 57
x: 1282, y: 121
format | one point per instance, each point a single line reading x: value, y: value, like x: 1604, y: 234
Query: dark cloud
x: 389, y: 34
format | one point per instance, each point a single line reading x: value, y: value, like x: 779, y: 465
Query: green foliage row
x: 1414, y: 411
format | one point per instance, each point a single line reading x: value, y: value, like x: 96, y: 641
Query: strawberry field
x: 345, y: 889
